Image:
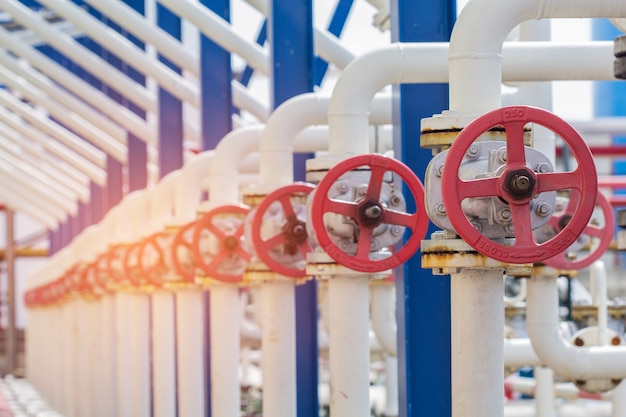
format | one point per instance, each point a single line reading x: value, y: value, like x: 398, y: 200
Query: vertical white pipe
x: 133, y: 361
x: 69, y: 358
x: 544, y: 391
x: 106, y: 398
x: 279, y: 348
x: 391, y: 385
x: 163, y: 354
x: 598, y: 295
x: 349, y: 348
x: 55, y: 333
x: 82, y: 357
x: 190, y: 325
x: 619, y: 401
x: 224, y: 327
x: 477, y: 349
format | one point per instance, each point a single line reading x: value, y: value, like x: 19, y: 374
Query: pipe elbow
x: 383, y: 317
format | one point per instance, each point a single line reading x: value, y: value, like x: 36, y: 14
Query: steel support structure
x: 424, y: 369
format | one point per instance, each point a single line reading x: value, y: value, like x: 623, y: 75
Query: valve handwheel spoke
x: 292, y: 237
x: 154, y: 266
x: 369, y: 213
x: 225, y: 224
x: 604, y: 233
x: 518, y: 184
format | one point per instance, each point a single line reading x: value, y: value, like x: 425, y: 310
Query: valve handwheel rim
x: 263, y: 246
x: 179, y: 241
x: 149, y: 271
x: 518, y: 193
x: 369, y: 213
x: 206, y: 222
x: 603, y: 233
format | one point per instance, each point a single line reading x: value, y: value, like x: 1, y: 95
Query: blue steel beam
x: 290, y: 32
x: 335, y: 26
x: 424, y: 370
x: 261, y: 37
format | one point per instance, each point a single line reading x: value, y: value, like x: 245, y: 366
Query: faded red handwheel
x: 293, y: 239
x: 603, y: 232
x: 226, y: 260
x: 151, y: 257
x: 182, y: 252
x: 517, y: 184
x: 369, y: 213
x: 132, y: 271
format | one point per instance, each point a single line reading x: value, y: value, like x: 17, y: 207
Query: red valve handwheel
x: 604, y: 233
x: 293, y: 236
x: 230, y: 249
x: 115, y: 262
x: 517, y: 184
x: 182, y: 246
x: 132, y: 271
x: 152, y: 267
x: 417, y: 222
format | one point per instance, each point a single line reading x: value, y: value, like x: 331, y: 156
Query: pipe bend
x: 383, y: 317
x: 557, y: 353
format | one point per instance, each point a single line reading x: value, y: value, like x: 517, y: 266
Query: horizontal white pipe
x: 601, y: 125
x: 88, y: 131
x: 81, y: 55
x: 383, y: 316
x: 428, y: 63
x: 293, y: 116
x: 31, y: 209
x: 10, y: 137
x: 245, y: 101
x: 146, y: 31
x: 32, y: 172
x: 478, y: 36
x: 98, y: 175
x: 557, y: 353
x: 79, y: 87
x: 61, y: 134
x: 527, y: 386
x: 40, y: 190
x: 13, y: 154
x: 329, y: 48
x: 221, y: 32
x: 167, y: 79
x: 519, y: 352
x: 41, y: 82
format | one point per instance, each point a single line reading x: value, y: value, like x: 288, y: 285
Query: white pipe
x: 544, y: 391
x: 82, y: 127
x: 61, y: 134
x: 81, y: 55
x: 291, y: 117
x: 391, y: 385
x: 618, y: 400
x: 477, y: 350
x: 477, y: 58
x: 40, y: 190
x: 383, y: 316
x: 79, y: 87
x: 349, y: 351
x: 97, y: 174
x: 30, y: 209
x: 68, y: 353
x: 163, y: 354
x: 224, y: 351
x: 519, y: 352
x: 221, y: 32
x: 106, y: 399
x: 428, y: 63
x: 40, y: 164
x: 59, y: 183
x: 279, y: 348
x: 329, y: 48
x: 190, y: 352
x: 146, y: 31
x: 246, y: 101
x: 10, y: 138
x: 37, y: 80
x: 565, y: 359
x: 169, y: 80
x: 598, y: 295
x: 564, y: 390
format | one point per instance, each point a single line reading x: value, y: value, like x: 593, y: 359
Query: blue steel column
x: 423, y: 299
x: 290, y: 33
